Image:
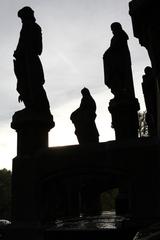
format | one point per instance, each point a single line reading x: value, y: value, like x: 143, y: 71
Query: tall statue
x: 146, y: 27
x: 149, y: 87
x: 27, y: 65
x: 117, y: 64
x: 84, y: 119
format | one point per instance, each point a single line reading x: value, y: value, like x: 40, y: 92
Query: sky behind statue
x: 75, y: 37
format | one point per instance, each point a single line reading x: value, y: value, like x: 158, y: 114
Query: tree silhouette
x: 143, y: 127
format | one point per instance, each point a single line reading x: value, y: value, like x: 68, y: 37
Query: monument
x: 145, y: 20
x: 30, y: 79
x: 32, y: 123
x: 60, y: 182
x: 118, y: 77
x: 146, y: 25
x: 84, y: 119
x: 27, y: 64
x: 149, y: 88
x: 117, y: 64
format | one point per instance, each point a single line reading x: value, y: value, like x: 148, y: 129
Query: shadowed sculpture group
x: 118, y: 77
x: 30, y: 76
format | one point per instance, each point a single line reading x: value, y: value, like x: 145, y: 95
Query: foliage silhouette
x: 5, y: 194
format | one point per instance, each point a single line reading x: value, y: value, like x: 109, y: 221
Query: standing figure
x: 84, y: 119
x: 27, y: 65
x: 117, y: 64
x: 149, y: 87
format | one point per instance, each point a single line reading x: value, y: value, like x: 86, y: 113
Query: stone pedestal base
x: 124, y: 117
x: 32, y: 130
x: 32, y: 135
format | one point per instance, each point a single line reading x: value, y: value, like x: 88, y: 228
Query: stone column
x: 32, y: 135
x: 32, y: 131
x: 125, y: 123
x: 124, y: 117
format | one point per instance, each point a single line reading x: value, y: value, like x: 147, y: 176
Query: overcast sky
x: 76, y: 33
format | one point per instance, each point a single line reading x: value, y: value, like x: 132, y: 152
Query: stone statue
x: 149, y: 91
x: 146, y: 27
x: 117, y: 63
x: 27, y: 65
x: 84, y: 119
x: 152, y: 38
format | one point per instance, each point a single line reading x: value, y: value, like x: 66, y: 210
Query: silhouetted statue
x: 149, y: 91
x: 152, y: 45
x: 117, y: 63
x: 84, y: 119
x: 146, y: 27
x: 27, y: 65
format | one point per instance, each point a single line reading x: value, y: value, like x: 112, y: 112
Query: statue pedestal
x: 124, y: 117
x: 32, y: 135
x: 32, y: 130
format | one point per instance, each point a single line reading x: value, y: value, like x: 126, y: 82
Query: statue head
x: 116, y: 27
x: 85, y: 92
x: 148, y: 70
x: 26, y: 13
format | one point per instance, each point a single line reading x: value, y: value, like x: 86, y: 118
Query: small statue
x: 149, y: 87
x: 27, y: 65
x: 84, y: 119
x: 117, y: 64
